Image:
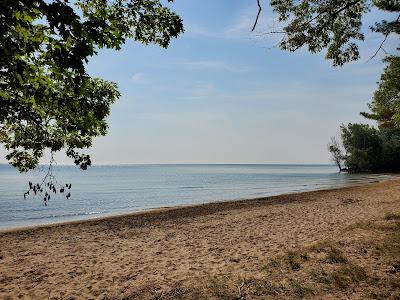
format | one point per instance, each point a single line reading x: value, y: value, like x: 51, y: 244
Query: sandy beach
x: 265, y: 248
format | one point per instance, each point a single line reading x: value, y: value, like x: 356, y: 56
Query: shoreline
x: 266, y: 246
x: 217, y: 204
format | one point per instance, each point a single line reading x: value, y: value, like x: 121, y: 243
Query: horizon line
x: 176, y: 164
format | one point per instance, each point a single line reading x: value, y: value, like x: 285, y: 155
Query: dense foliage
x: 385, y: 106
x: 371, y: 150
x: 47, y: 99
x: 334, y: 25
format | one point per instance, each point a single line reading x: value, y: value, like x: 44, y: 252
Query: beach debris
x: 241, y: 295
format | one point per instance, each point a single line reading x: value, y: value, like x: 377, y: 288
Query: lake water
x: 107, y: 190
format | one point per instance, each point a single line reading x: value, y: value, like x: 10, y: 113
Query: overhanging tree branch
x: 258, y: 15
x: 384, y: 40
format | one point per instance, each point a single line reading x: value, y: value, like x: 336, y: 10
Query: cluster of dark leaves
x: 46, y: 189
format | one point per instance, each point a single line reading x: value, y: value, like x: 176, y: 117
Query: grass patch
x: 300, y: 290
x: 268, y: 288
x: 364, y: 225
x: 293, y: 261
x: 391, y: 245
x: 295, y: 258
x: 342, y: 277
x: 335, y: 256
x: 320, y: 246
x: 272, y: 263
x: 392, y: 216
x: 330, y: 270
x: 346, y: 275
x: 219, y: 288
x: 225, y: 288
x: 262, y: 288
x: 320, y: 276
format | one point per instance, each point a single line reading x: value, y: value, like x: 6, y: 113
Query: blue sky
x: 221, y: 94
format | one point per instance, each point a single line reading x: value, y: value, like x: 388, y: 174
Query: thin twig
x: 383, y: 42
x: 240, y: 290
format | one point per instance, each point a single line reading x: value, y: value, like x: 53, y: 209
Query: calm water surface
x: 106, y: 190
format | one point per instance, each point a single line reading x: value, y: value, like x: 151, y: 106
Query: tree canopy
x: 385, y: 106
x: 368, y: 149
x: 334, y: 25
x: 47, y: 98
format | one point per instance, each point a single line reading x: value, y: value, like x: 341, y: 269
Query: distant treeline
x: 365, y: 148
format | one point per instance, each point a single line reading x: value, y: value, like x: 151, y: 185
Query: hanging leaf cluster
x: 45, y: 190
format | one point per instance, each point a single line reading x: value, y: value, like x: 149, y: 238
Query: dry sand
x: 148, y: 255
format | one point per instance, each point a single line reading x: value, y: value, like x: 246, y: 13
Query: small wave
x: 61, y: 216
